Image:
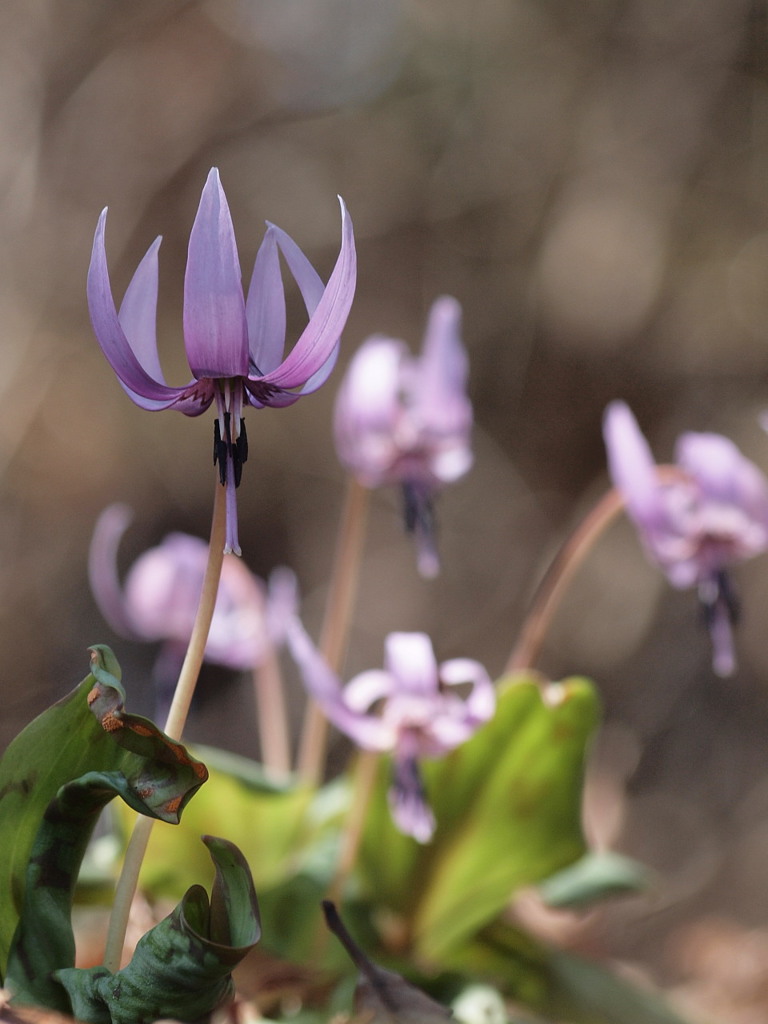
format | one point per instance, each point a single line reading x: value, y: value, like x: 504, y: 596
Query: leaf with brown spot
x: 152, y: 773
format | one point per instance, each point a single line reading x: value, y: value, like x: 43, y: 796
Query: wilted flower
x: 407, y: 421
x: 158, y: 600
x: 696, y: 523
x: 234, y: 346
x: 419, y: 716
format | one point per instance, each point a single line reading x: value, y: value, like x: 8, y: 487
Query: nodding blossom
x: 234, y: 345
x: 420, y: 714
x: 696, y: 522
x: 159, y: 597
x: 407, y: 420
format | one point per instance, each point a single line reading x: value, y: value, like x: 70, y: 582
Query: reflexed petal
x: 138, y: 313
x: 409, y: 657
x: 304, y: 274
x: 319, y: 377
x: 102, y: 569
x: 142, y: 388
x: 631, y: 464
x: 265, y: 307
x: 323, y: 685
x: 723, y: 474
x: 163, y: 586
x: 367, y: 410
x: 282, y: 602
x: 323, y: 331
x: 480, y: 704
x: 215, y: 329
x: 444, y: 368
x: 366, y: 688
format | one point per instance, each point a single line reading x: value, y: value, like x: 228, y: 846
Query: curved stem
x: 338, y: 615
x: 565, y: 563
x: 177, y: 716
x: 557, y: 577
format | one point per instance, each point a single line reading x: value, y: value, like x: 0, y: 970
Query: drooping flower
x: 407, y: 420
x: 234, y: 345
x: 419, y: 717
x: 711, y: 513
x: 159, y: 597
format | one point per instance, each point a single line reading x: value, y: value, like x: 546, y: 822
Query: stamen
x: 219, y: 452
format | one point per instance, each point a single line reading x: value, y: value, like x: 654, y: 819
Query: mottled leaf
x: 89, y: 737
x: 181, y: 968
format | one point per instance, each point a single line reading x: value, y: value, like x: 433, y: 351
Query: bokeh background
x: 590, y: 180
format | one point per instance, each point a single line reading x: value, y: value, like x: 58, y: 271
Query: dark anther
x: 219, y: 453
x: 418, y: 510
x: 715, y: 591
x: 242, y: 443
x: 406, y: 779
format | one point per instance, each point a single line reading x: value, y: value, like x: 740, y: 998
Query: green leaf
x: 508, y: 810
x: 87, y: 736
x: 270, y: 823
x: 181, y: 968
x: 596, y: 876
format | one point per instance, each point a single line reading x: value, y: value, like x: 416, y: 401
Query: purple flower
x: 159, y: 598
x: 419, y: 715
x: 694, y: 522
x: 407, y: 421
x: 234, y: 345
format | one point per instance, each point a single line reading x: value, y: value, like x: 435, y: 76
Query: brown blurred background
x: 590, y: 180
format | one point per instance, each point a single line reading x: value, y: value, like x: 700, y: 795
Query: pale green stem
x: 272, y: 717
x: 338, y: 615
x: 560, y: 573
x: 177, y: 716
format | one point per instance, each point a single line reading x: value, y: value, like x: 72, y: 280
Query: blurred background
x: 590, y: 180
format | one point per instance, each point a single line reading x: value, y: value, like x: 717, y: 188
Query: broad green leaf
x: 270, y: 823
x: 181, y: 969
x: 89, y: 734
x: 508, y: 810
x: 595, y: 876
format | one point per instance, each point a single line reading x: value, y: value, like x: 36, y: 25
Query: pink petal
x: 215, y: 329
x: 102, y: 569
x: 409, y: 657
x: 138, y: 313
x: 265, y: 308
x: 322, y: 333
x: 140, y: 386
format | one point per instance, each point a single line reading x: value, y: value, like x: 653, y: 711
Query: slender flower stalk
x: 174, y: 727
x: 335, y: 629
x: 557, y: 578
x: 234, y: 345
